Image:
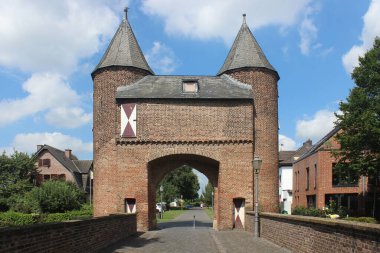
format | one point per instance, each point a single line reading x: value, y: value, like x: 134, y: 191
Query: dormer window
x: 190, y: 86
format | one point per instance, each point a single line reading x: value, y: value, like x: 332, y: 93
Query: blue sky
x: 49, y: 48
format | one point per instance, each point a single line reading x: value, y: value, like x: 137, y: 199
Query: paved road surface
x: 179, y: 235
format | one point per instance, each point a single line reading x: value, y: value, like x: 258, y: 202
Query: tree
x: 360, y: 120
x: 17, y: 173
x: 207, y: 194
x: 181, y: 181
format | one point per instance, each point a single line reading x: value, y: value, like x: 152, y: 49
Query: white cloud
x: 161, y: 58
x: 44, y: 91
x: 219, y: 19
x: 286, y: 143
x: 53, y: 36
x: 68, y: 117
x: 371, y: 29
x: 308, y: 32
x: 317, y: 126
x: 27, y: 142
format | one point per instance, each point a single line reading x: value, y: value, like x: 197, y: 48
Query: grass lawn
x: 209, y: 212
x: 169, y: 215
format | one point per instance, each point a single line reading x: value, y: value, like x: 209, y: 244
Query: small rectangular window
x: 315, y: 176
x: 190, y: 86
x: 44, y: 162
x: 46, y: 177
x: 308, y: 179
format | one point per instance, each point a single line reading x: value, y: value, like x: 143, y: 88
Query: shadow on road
x: 182, y: 224
x: 134, y: 241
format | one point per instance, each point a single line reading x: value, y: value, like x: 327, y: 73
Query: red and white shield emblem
x: 128, y: 120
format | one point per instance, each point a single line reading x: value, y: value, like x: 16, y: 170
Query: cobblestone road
x: 179, y: 235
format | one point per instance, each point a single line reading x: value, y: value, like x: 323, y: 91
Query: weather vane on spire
x: 244, y: 21
x: 126, y: 12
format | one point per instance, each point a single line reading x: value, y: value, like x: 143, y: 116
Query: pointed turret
x: 245, y: 52
x: 124, y: 50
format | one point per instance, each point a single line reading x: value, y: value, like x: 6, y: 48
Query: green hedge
x: 12, y: 218
x: 299, y: 210
x: 362, y: 219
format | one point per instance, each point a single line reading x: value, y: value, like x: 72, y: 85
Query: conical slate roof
x: 124, y: 50
x: 245, y: 52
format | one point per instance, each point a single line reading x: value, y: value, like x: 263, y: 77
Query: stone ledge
x: 121, y: 141
x: 365, y: 227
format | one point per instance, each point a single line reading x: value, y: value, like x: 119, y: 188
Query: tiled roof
x: 317, y: 146
x: 83, y: 165
x: 124, y: 50
x: 60, y: 156
x: 75, y: 166
x: 245, y: 52
x: 286, y: 157
x: 210, y: 87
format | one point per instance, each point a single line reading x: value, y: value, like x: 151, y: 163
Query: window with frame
x: 46, y: 177
x: 190, y: 86
x: 44, y: 162
x: 344, y: 177
x: 311, y: 201
x: 298, y: 181
x: 315, y: 176
x: 307, y: 179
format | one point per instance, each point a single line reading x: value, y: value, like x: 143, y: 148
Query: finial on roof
x: 126, y: 12
x: 244, y: 21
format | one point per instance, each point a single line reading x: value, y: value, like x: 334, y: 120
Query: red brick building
x: 56, y: 164
x: 146, y: 125
x: 316, y: 182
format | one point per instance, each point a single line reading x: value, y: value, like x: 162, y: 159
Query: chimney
x: 39, y: 146
x: 68, y: 153
x: 308, y: 142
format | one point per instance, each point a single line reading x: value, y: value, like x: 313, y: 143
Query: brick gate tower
x: 146, y: 125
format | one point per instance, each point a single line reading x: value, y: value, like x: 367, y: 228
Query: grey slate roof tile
x: 170, y: 87
x: 124, y: 50
x: 83, y: 165
x: 316, y: 146
x: 245, y: 52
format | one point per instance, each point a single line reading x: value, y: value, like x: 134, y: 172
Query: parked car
x: 160, y: 208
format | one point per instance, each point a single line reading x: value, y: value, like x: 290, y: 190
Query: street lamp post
x: 162, y: 209
x: 212, y: 200
x: 256, y: 167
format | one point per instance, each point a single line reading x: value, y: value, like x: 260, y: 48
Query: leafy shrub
x: 12, y: 218
x: 362, y: 219
x: 4, y: 205
x: 58, y: 196
x: 299, y: 210
x: 55, y: 217
x: 25, y: 204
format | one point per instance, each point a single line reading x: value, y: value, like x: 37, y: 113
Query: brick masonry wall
x: 265, y: 96
x: 135, y: 171
x: 218, y: 131
x: 320, y: 184
x: 318, y: 235
x: 193, y: 120
x: 55, y: 167
x: 73, y: 236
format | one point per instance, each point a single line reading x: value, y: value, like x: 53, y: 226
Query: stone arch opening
x: 160, y: 167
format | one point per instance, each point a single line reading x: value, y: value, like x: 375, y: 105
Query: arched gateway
x: 147, y: 125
